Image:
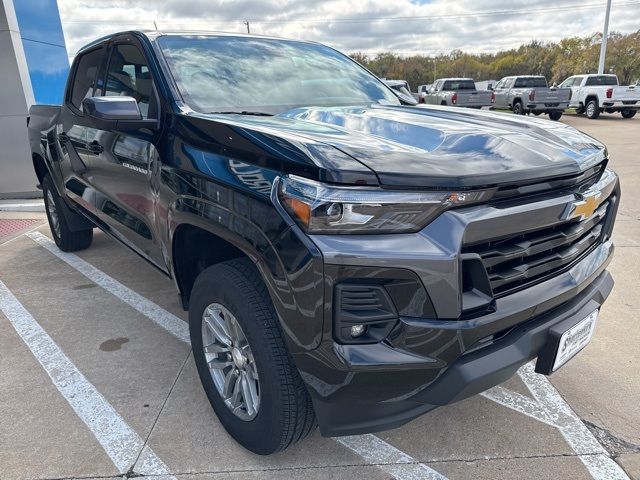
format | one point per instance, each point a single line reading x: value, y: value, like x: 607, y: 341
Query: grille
x: 518, y: 261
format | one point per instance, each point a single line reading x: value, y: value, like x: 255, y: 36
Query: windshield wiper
x: 244, y: 112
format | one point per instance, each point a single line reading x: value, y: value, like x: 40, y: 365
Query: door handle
x: 63, y: 138
x: 95, y: 147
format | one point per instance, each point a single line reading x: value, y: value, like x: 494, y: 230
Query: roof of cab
x: 154, y: 34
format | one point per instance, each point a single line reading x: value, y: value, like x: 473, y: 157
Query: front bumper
x: 365, y: 388
x: 440, y: 351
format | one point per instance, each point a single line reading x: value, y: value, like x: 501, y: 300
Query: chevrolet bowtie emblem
x: 585, y: 207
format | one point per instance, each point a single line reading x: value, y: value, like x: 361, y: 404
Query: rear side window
x: 129, y: 76
x: 609, y: 80
x: 84, y: 81
x: 531, y: 82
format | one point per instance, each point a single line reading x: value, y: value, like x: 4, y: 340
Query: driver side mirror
x: 115, y: 113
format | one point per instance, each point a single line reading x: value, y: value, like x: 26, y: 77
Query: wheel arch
x: 201, y: 236
x: 591, y: 97
x: 193, y: 249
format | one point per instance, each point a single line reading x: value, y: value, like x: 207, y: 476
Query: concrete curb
x: 22, y: 206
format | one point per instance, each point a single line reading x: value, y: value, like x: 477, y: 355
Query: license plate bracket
x: 565, y: 341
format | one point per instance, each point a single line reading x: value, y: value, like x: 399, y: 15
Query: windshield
x: 455, y: 85
x: 531, y: 82
x: 244, y: 74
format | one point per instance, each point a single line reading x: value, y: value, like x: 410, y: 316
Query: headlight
x: 323, y: 208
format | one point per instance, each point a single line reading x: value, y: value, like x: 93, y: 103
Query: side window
x: 508, y: 83
x: 128, y: 75
x: 500, y: 84
x: 577, y: 81
x: 84, y: 80
x: 567, y: 83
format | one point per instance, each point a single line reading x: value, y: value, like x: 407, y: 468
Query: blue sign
x: 44, y: 48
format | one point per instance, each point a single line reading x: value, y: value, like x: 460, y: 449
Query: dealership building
x: 33, y: 70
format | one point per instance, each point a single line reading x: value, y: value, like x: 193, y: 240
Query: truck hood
x: 439, y: 146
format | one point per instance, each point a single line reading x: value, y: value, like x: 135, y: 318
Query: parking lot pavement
x: 98, y: 380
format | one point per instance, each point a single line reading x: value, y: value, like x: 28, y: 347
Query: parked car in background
x: 347, y: 259
x: 402, y: 87
x: 457, y: 92
x: 593, y: 94
x: 422, y: 92
x: 531, y: 94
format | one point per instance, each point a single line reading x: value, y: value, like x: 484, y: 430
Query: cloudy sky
x: 403, y: 26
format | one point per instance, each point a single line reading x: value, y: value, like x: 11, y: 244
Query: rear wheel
x: 628, y: 113
x: 555, y: 115
x: 592, y: 110
x: 518, y: 108
x: 245, y: 368
x: 66, y: 239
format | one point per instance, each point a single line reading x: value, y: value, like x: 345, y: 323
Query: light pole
x: 605, y: 34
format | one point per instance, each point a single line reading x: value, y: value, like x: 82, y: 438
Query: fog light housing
x: 363, y: 313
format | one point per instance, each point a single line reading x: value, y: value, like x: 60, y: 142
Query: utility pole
x: 246, y: 22
x: 605, y: 35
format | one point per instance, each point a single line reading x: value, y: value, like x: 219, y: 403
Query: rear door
x: 77, y: 156
x: 122, y: 175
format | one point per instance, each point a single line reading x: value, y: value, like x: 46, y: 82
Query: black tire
x: 66, y: 239
x: 592, y: 110
x: 518, y: 108
x: 285, y: 414
x: 628, y: 113
x: 555, y: 115
x: 536, y: 113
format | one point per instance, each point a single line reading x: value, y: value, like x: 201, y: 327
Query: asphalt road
x: 97, y: 379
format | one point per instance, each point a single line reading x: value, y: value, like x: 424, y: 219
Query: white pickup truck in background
x: 593, y: 94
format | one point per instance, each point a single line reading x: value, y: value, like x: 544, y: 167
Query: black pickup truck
x: 348, y: 260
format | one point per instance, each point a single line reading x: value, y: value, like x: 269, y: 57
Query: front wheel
x: 66, y: 239
x: 555, y: 116
x: 628, y: 113
x: 243, y: 363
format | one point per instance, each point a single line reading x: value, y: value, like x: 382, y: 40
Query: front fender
x: 290, y: 267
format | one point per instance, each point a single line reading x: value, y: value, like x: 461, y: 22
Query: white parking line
x: 174, y: 325
x: 575, y: 432
x: 518, y: 402
x: 549, y: 407
x: 118, y: 440
x: 388, y: 458
x: 369, y: 447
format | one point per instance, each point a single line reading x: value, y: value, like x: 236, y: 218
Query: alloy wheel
x: 53, y: 214
x: 230, y: 361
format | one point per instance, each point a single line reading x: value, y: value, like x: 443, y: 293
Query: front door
x: 125, y: 201
x: 77, y: 156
